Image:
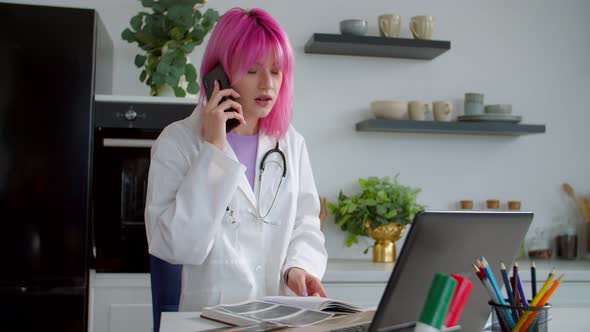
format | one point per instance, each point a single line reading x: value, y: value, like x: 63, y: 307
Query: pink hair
x: 239, y: 40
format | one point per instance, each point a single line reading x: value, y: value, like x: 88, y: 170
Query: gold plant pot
x: 385, y: 237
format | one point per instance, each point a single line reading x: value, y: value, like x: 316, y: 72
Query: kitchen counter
x: 364, y: 270
x: 348, y: 270
x: 357, y: 270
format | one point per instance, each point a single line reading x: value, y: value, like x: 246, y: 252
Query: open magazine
x: 315, y: 303
x: 279, y: 311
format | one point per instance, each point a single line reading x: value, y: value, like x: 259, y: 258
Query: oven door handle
x: 127, y: 143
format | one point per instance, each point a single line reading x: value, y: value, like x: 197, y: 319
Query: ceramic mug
x: 473, y: 103
x: 389, y: 25
x: 355, y: 27
x: 442, y: 110
x: 422, y: 26
x: 418, y: 110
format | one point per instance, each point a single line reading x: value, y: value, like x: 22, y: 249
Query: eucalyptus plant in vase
x: 167, y: 34
x: 382, y: 210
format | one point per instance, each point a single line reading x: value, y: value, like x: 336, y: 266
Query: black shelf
x: 460, y: 128
x: 321, y: 43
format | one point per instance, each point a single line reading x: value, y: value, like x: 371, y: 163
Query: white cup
x: 419, y: 109
x: 442, y: 110
x: 389, y: 25
x: 422, y: 26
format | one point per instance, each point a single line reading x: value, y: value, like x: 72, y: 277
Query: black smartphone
x: 219, y: 74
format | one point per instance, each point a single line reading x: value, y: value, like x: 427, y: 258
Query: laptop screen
x: 448, y: 242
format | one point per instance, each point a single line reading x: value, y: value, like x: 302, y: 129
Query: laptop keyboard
x: 356, y: 328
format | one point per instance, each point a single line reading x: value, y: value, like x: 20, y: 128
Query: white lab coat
x: 192, y: 183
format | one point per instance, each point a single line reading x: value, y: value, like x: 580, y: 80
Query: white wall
x: 533, y: 54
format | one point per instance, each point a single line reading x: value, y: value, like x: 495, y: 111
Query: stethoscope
x: 263, y: 164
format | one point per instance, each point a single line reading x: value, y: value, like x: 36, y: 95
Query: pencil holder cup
x: 530, y: 319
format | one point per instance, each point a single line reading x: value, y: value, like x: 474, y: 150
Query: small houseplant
x: 382, y: 210
x: 167, y: 35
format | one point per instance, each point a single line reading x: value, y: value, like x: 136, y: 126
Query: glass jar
x: 493, y: 204
x: 567, y: 244
x: 513, y: 205
x: 466, y: 204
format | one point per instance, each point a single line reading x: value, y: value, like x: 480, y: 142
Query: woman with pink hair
x: 238, y: 208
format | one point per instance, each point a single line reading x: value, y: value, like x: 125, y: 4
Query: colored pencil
x: 490, y: 275
x: 477, y: 271
x: 506, y: 283
x: 536, y: 299
x: 515, y: 291
x: 531, y: 317
x: 523, y: 299
x: 533, y: 279
x: 480, y: 274
x: 545, y: 287
x: 514, y: 283
x: 508, y: 289
x: 551, y: 290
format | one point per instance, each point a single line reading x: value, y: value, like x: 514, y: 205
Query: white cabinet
x: 361, y: 294
x: 120, y: 302
x: 569, y: 294
x: 360, y: 282
x: 575, y: 286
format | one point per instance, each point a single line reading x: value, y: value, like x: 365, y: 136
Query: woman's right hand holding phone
x: 214, y: 116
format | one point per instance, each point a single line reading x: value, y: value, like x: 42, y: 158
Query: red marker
x: 460, y: 297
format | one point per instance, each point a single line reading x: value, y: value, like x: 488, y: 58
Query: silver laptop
x: 449, y: 242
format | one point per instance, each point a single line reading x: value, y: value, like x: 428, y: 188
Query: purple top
x: 245, y: 148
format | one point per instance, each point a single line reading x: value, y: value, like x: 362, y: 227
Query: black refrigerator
x: 52, y: 62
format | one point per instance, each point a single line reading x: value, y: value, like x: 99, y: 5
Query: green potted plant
x: 382, y: 210
x: 167, y: 35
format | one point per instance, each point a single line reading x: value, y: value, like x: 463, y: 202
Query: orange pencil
x: 548, y: 283
x: 543, y: 301
x: 544, y: 289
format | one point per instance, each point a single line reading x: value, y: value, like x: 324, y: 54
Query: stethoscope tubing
x: 259, y: 215
x: 268, y: 153
x: 262, y: 166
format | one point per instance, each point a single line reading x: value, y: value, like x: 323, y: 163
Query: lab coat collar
x: 265, y: 143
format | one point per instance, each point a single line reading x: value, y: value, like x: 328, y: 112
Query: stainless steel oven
x: 123, y: 135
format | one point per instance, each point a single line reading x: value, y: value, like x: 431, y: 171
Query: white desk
x: 564, y: 320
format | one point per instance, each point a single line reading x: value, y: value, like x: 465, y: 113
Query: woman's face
x: 259, y: 89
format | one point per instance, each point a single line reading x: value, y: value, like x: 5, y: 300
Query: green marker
x: 437, y: 304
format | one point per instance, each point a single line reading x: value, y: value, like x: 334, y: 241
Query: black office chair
x: 165, y: 279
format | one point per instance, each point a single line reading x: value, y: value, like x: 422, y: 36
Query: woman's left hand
x: 304, y: 284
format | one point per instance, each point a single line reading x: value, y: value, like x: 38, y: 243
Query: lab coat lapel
x: 243, y: 185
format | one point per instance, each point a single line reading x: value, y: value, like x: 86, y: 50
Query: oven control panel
x: 140, y: 112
